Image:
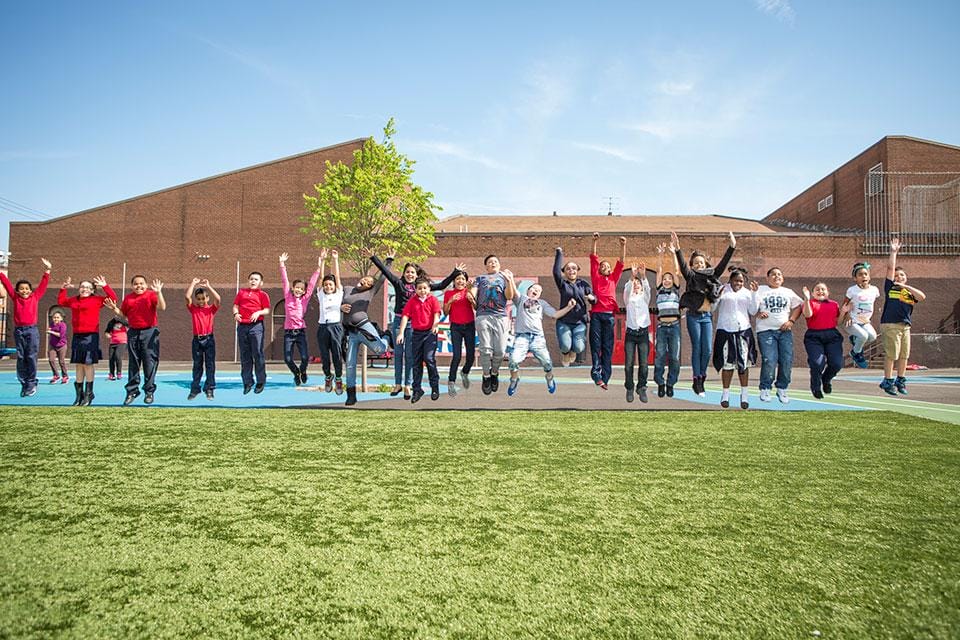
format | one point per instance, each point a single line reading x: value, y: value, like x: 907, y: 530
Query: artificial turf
x: 220, y: 523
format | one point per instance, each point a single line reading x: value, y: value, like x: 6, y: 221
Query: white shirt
x: 861, y: 307
x: 734, y: 309
x: 637, y: 304
x: 329, y: 305
x: 776, y: 302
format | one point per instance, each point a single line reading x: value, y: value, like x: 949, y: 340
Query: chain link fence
x: 922, y: 209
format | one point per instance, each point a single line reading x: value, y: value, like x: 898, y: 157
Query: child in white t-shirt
x: 861, y: 297
x: 777, y: 309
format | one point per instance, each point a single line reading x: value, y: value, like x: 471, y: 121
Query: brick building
x: 225, y: 226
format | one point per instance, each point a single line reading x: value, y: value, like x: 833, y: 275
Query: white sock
x: 725, y: 396
x: 744, y: 394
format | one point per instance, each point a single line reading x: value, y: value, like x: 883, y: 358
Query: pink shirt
x: 296, y: 307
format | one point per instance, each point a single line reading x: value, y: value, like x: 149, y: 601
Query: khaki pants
x: 896, y: 340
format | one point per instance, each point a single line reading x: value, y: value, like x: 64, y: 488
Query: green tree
x: 372, y: 205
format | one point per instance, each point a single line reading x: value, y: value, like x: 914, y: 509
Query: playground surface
x: 933, y: 394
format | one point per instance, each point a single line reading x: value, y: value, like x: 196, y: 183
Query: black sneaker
x: 669, y: 391
x: 148, y: 399
x: 296, y: 379
x: 486, y: 388
x: 130, y: 398
x: 435, y: 394
x: 210, y: 394
x: 247, y: 388
x: 303, y: 377
x: 828, y: 387
x: 494, y: 383
x: 630, y: 395
x: 417, y: 394
x: 258, y: 388
x: 642, y: 392
x: 661, y: 390
x: 193, y: 394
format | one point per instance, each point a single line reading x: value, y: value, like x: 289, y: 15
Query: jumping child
x: 116, y: 335
x: 422, y: 312
x: 668, y: 325
x: 777, y: 310
x: 26, y: 301
x: 604, y: 279
x: 572, y: 328
x: 636, y: 346
x: 860, y: 296
x: 57, y: 349
x: 329, y: 327
x: 359, y: 329
x: 139, y: 308
x: 250, y: 306
x: 823, y: 342
x: 458, y: 306
x: 203, y: 302
x: 900, y: 299
x: 734, y: 347
x: 295, y: 300
x: 491, y: 290
x: 85, y: 318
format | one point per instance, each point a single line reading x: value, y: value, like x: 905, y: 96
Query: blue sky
x: 728, y: 106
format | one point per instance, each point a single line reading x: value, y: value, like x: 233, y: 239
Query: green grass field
x: 265, y: 523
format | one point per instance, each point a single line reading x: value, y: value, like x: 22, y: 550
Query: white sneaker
x: 452, y: 389
x: 782, y: 396
x: 764, y: 395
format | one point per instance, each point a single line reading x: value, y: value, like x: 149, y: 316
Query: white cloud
x: 675, y: 88
x: 450, y: 149
x: 549, y: 88
x: 613, y: 152
x: 780, y: 9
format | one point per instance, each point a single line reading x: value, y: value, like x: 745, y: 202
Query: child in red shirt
x: 823, y: 342
x: 116, y: 333
x: 249, y: 307
x: 422, y: 312
x: 140, y: 308
x: 203, y: 302
x: 85, y: 318
x: 25, y: 301
x: 604, y: 279
x: 459, y: 306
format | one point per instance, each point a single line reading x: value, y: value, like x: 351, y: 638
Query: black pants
x: 204, y: 357
x: 250, y: 343
x: 143, y: 350
x: 295, y: 338
x: 425, y: 353
x: 462, y: 335
x: 824, y: 355
x: 636, y: 347
x: 330, y: 340
x: 116, y: 359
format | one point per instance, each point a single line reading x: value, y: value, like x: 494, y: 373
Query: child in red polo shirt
x: 249, y: 307
x: 422, y: 311
x: 203, y: 302
x: 140, y: 308
x: 85, y: 318
x: 25, y: 301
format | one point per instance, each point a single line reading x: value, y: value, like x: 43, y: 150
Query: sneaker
x: 148, y: 399
x: 110, y: 376
x: 247, y: 388
x: 603, y: 385
x: 64, y: 379
x: 901, y: 385
x: 54, y: 379
x: 339, y: 387
x: 725, y: 404
x: 303, y: 377
x: 296, y: 379
x: 259, y: 387
x: 32, y: 391
x: 643, y: 394
x: 451, y: 389
x: 669, y: 390
x: 828, y: 387
x: 487, y: 389
x: 630, y: 395
x: 494, y: 383
x: 765, y: 395
x: 434, y: 394
x: 696, y: 386
x: 552, y: 384
x: 782, y: 396
x: 417, y: 394
x: 816, y: 391
x: 193, y: 394
x: 661, y: 390
x: 744, y: 404
x: 328, y: 384
x: 465, y: 380
x: 130, y: 398
x: 210, y: 394
x: 512, y: 389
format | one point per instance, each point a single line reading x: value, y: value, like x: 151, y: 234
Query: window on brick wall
x: 875, y: 180
x: 826, y: 202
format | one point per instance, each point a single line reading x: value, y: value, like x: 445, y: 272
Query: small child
x: 203, y: 302
x: 636, y: 347
x: 26, y: 301
x: 330, y: 328
x: 57, y: 349
x: 900, y: 299
x: 295, y: 300
x: 116, y: 333
x: 85, y: 318
x: 139, y: 308
x: 528, y: 332
x: 422, y: 312
x: 250, y: 306
x: 823, y: 342
x: 860, y: 296
x: 667, y: 356
x: 458, y: 305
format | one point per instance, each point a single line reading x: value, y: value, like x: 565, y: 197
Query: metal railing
x: 921, y: 208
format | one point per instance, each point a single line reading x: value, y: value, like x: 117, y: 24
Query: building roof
x: 581, y: 224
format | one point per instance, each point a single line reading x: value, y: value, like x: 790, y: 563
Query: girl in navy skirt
x: 85, y: 318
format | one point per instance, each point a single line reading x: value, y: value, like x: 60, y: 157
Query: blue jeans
x: 28, y: 344
x: 250, y: 342
x: 636, y: 349
x: 296, y: 337
x: 776, y: 351
x: 143, y: 350
x: 667, y: 354
x: 601, y: 346
x: 402, y: 354
x: 355, y: 338
x: 204, y: 351
x: 533, y: 343
x: 700, y: 328
x: 572, y: 337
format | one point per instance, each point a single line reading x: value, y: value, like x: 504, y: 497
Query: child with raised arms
x: 359, y: 329
x: 571, y: 328
x: 26, y: 301
x: 203, y: 302
x: 296, y: 296
x: 491, y: 290
x: 458, y: 306
x: 604, y: 278
x: 330, y: 327
x: 822, y: 341
x: 85, y: 318
x: 667, y: 355
x: 636, y: 345
x: 860, y: 296
x: 139, y: 309
x: 899, y: 300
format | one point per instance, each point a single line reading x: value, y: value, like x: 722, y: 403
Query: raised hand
x: 895, y: 245
x: 507, y: 274
x: 596, y: 235
x: 754, y: 286
x: 205, y: 283
x: 110, y: 304
x: 195, y: 282
x: 806, y: 293
x: 283, y: 257
x: 100, y: 281
x: 460, y: 266
x: 661, y: 247
x: 622, y: 240
x: 733, y: 240
x: 674, y: 242
x: 323, y: 253
x: 68, y: 283
x: 642, y: 266
x: 46, y: 264
x: 157, y: 285
x: 334, y: 254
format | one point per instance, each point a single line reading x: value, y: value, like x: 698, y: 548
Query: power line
x: 20, y: 206
x: 20, y: 210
